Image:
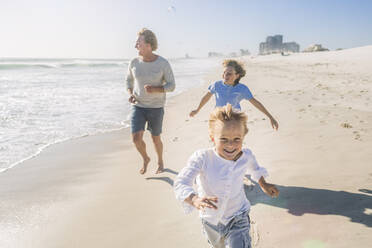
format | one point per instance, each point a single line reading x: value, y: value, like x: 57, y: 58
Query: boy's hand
x: 270, y: 189
x: 204, y: 202
x: 192, y: 113
x: 274, y: 123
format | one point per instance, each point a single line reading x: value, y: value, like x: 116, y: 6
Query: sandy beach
x: 88, y: 192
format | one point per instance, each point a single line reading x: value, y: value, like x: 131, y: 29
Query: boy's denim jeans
x: 235, y: 234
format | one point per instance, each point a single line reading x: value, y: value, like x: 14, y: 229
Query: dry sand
x: 88, y: 192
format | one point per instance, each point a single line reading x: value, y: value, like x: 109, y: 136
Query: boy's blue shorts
x: 153, y: 117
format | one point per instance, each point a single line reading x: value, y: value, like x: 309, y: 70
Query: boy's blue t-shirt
x: 225, y: 94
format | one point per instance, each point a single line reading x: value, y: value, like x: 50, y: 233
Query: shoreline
x: 41, y: 149
x: 89, y: 193
x: 127, y: 125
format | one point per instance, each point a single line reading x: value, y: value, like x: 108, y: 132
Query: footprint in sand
x: 357, y: 135
x: 346, y: 125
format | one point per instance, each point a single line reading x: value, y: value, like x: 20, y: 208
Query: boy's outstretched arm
x: 261, y: 107
x: 203, y: 101
x: 268, y: 188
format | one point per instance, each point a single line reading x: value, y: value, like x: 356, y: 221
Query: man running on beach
x: 149, y: 77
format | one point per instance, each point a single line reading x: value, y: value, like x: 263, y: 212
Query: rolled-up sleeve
x: 255, y: 170
x: 183, y: 185
x: 129, y: 78
x: 170, y: 83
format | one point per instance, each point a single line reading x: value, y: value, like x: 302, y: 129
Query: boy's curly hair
x: 227, y: 114
x: 150, y: 38
x: 238, y: 67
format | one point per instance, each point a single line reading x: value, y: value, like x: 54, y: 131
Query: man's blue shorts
x: 153, y: 117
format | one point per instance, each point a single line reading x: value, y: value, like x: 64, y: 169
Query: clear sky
x: 108, y: 28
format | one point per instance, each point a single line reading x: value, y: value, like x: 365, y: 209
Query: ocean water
x: 46, y: 101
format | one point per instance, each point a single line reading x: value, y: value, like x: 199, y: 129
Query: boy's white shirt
x: 216, y: 176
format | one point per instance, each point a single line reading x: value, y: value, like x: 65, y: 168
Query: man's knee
x: 156, y: 139
x: 137, y: 138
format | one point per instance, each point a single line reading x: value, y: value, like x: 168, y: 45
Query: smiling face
x: 228, y: 139
x: 229, y: 75
x: 142, y: 47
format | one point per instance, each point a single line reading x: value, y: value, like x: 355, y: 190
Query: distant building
x: 274, y: 44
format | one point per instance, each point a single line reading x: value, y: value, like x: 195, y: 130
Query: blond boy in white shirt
x: 219, y: 174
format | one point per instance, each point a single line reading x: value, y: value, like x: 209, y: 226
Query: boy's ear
x: 212, y: 138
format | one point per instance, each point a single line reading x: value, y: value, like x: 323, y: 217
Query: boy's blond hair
x: 238, y: 67
x: 150, y: 38
x: 226, y: 114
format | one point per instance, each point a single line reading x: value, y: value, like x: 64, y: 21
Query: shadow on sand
x: 165, y: 179
x: 300, y: 200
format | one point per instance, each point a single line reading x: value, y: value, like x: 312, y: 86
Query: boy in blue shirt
x: 230, y: 91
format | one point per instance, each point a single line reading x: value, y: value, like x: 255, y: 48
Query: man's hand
x: 204, y: 202
x: 153, y: 89
x: 132, y: 99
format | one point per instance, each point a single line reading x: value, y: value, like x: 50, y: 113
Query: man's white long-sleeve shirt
x: 155, y: 73
x: 216, y: 176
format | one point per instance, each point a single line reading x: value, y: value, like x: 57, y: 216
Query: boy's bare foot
x: 160, y: 168
x: 146, y: 161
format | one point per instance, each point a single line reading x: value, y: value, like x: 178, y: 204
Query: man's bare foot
x: 160, y: 168
x: 146, y: 161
